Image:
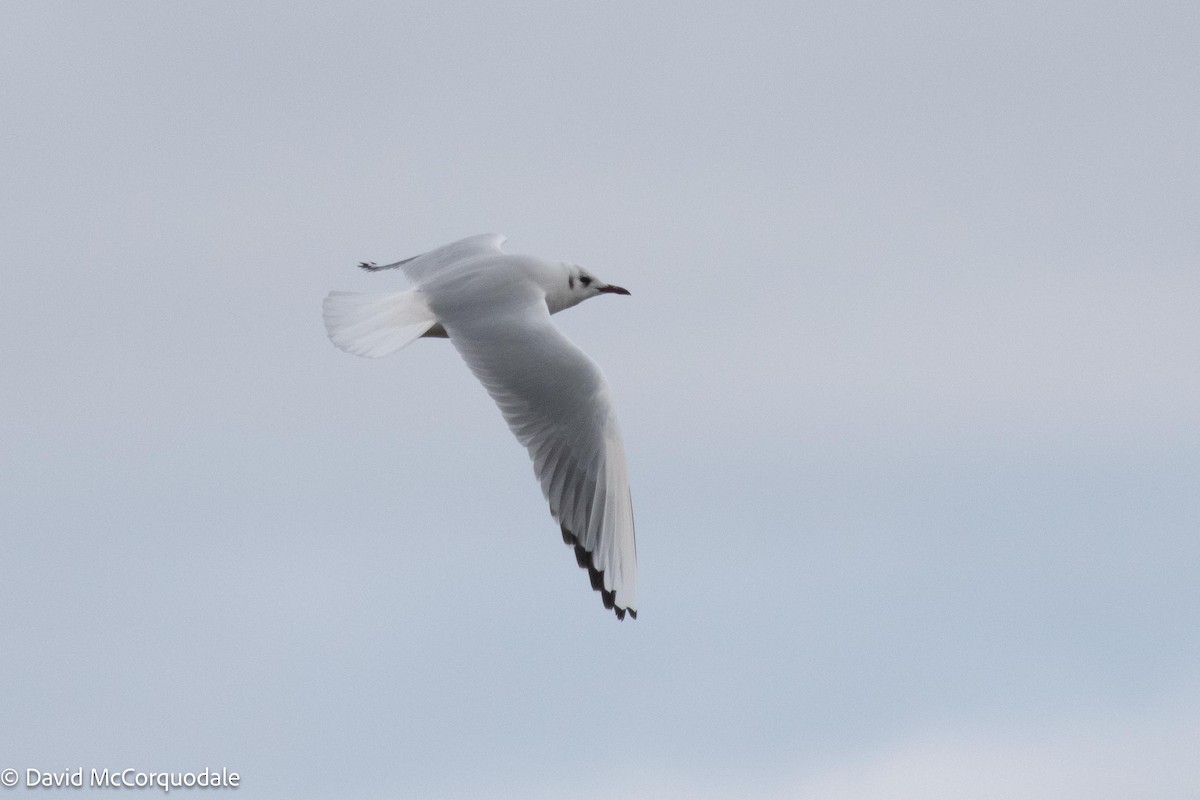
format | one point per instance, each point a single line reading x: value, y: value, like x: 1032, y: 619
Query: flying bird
x: 495, y: 308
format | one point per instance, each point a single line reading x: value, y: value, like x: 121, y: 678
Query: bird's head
x: 576, y: 284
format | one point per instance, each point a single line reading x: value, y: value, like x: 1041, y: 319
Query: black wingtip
x: 596, y: 577
x: 371, y: 266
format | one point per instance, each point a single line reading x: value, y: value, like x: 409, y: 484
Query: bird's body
x: 495, y: 308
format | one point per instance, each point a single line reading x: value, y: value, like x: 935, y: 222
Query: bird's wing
x: 557, y: 403
x: 420, y: 268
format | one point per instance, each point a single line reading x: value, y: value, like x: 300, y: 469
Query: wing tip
x: 595, y: 576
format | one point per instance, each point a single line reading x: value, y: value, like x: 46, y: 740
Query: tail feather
x: 376, y: 325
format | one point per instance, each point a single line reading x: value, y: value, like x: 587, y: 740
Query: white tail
x: 376, y: 325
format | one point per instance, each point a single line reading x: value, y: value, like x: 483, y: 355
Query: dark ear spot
x: 571, y: 281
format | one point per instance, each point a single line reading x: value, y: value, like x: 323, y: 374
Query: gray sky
x: 909, y: 380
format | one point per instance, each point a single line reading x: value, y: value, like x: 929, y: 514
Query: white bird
x: 495, y: 308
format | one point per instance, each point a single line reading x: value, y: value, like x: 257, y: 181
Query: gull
x: 495, y: 308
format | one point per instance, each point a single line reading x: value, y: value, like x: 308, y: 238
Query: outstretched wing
x: 420, y: 268
x: 557, y: 403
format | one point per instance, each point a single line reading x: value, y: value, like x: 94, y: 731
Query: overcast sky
x: 909, y: 381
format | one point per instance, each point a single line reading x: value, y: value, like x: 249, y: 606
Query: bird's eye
x: 585, y: 280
